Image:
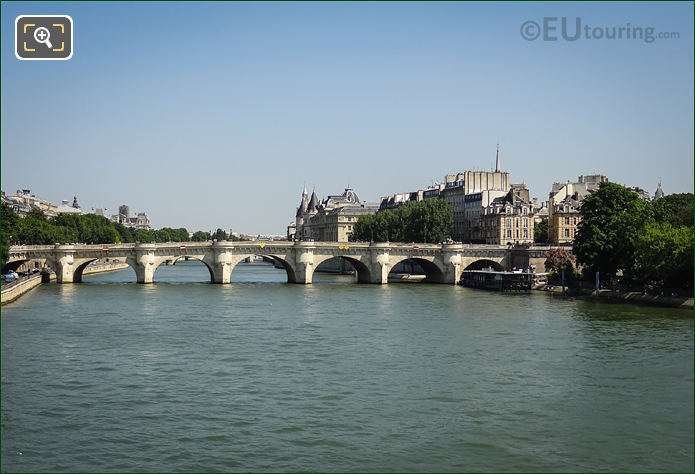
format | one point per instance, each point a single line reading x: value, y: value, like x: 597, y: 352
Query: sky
x: 207, y: 115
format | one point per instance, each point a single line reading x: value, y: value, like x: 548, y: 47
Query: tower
x: 659, y: 192
x: 301, y: 210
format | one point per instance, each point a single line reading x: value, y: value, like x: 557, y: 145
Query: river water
x: 260, y: 375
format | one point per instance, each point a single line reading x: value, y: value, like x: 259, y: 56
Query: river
x: 261, y: 375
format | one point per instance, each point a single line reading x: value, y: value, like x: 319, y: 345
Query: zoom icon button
x: 43, y: 37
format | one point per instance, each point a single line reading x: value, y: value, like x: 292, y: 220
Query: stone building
x: 331, y: 220
x: 22, y: 202
x: 468, y: 193
x: 508, y: 220
x: 564, y: 204
x: 396, y: 200
x: 139, y: 221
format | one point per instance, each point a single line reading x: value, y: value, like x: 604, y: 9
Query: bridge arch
x: 289, y: 269
x: 364, y: 273
x: 433, y: 268
x: 79, y: 270
x: 199, y: 258
x: 14, y: 265
x: 276, y: 258
x: 485, y: 263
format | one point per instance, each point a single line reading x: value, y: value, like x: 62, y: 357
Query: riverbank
x: 14, y: 291
x: 615, y: 296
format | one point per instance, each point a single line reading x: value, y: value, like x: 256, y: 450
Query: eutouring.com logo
x: 553, y: 29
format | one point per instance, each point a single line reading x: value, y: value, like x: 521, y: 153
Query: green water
x: 260, y: 375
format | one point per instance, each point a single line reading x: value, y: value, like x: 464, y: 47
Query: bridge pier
x: 222, y: 262
x: 303, y: 271
x: 144, y: 263
x: 63, y: 263
x: 453, y: 268
x: 379, y: 262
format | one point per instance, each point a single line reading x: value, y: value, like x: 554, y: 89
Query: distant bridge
x: 442, y: 263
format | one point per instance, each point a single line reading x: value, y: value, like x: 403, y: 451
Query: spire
x: 303, y: 203
x: 659, y: 192
x: 313, y: 202
x: 497, y: 160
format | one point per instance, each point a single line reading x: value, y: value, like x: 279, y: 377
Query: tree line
x: 645, y: 242
x: 37, y: 229
x: 424, y: 221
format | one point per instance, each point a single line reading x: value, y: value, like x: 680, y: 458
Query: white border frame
x: 72, y: 40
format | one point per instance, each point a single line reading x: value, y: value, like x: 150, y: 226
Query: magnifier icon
x: 42, y: 35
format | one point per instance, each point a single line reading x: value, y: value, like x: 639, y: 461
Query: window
x: 526, y: 233
x: 567, y: 221
x: 509, y: 224
x: 509, y: 233
x: 525, y: 222
x: 575, y: 221
x: 567, y: 232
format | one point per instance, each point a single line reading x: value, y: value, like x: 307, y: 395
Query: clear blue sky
x: 210, y: 115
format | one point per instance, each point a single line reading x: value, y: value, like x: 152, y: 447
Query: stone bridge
x: 442, y: 263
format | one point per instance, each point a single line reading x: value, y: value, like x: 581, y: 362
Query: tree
x: 200, y: 236
x: 8, y: 222
x: 126, y: 234
x: 540, y: 232
x: 144, y: 235
x: 425, y: 221
x: 676, y: 209
x: 665, y: 254
x: 558, y: 259
x: 219, y: 235
x: 612, y: 218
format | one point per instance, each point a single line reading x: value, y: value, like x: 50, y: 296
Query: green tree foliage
x: 647, y: 241
x: 612, y: 219
x: 126, y: 234
x: 36, y: 229
x: 220, y: 235
x: 676, y: 209
x: 540, y: 232
x: 666, y: 254
x: 91, y: 228
x: 425, y: 221
x: 201, y: 236
x: 8, y: 222
x: 167, y: 234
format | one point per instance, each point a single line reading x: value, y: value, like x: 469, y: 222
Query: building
x: 508, y: 220
x: 22, y: 202
x: 564, y: 204
x: 643, y: 194
x: 331, y: 220
x: 659, y: 192
x: 139, y: 221
x: 397, y: 200
x: 468, y: 193
x: 65, y: 208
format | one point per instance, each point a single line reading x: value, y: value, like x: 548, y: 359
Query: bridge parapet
x: 373, y: 260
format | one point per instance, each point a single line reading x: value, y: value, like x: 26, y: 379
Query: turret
x: 313, y: 204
